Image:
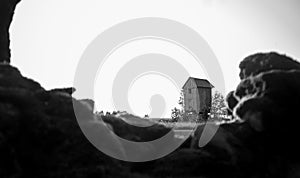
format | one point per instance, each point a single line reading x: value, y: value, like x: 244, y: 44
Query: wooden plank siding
x: 196, y: 98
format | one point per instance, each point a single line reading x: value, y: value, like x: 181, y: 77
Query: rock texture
x: 40, y: 135
x: 231, y: 102
x: 10, y: 77
x: 7, y: 8
x: 269, y: 102
x: 135, y: 133
x: 263, y: 62
x: 262, y: 141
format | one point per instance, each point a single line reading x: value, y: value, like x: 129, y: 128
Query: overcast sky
x: 49, y: 37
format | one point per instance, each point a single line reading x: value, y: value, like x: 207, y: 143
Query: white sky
x: 49, y: 37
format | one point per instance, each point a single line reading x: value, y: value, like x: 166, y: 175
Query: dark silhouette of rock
x: 7, y: 8
x: 193, y: 163
x: 10, y: 77
x: 263, y: 62
x: 256, y: 64
x: 40, y: 135
x: 246, y: 152
x: 268, y: 98
x: 134, y: 133
x: 270, y: 102
x: 262, y: 140
x: 69, y: 90
x: 231, y: 101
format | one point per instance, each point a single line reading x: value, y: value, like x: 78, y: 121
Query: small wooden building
x: 197, y: 94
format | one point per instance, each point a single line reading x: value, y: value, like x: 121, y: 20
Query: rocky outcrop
x: 231, y: 102
x: 135, y: 133
x: 270, y: 82
x: 40, y: 135
x: 269, y: 102
x: 260, y: 63
x: 68, y: 91
x: 7, y: 8
x: 262, y: 140
x: 263, y: 62
x: 10, y: 77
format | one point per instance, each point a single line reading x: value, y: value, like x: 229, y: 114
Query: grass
x: 181, y: 125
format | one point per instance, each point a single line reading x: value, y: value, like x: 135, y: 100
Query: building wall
x: 196, y: 99
x: 205, y: 98
x: 191, y: 98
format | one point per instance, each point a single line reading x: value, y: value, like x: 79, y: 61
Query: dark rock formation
x: 10, y: 77
x: 69, y: 90
x: 262, y: 141
x: 231, y: 101
x: 40, y: 135
x: 269, y: 64
x: 7, y: 8
x: 248, y: 152
x: 263, y: 62
x: 270, y: 102
x: 134, y: 133
x: 193, y: 163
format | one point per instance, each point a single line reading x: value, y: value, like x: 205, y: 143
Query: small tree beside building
x: 176, y: 115
x: 218, y: 107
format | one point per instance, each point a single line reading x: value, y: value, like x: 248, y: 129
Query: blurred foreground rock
x: 40, y: 135
x: 7, y: 8
x: 262, y: 142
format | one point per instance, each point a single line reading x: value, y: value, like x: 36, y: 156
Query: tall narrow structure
x: 197, y: 94
x: 7, y: 8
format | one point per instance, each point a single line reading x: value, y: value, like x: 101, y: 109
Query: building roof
x: 201, y: 83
